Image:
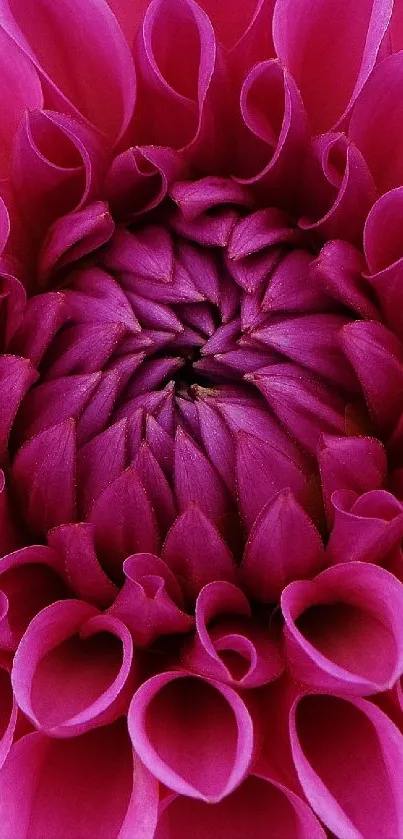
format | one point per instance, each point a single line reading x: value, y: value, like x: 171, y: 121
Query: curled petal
x: 282, y: 546
x: 375, y: 122
x: 348, y: 756
x: 259, y: 805
x: 66, y: 43
x: 21, y: 90
x: 183, y: 92
x: 312, y: 41
x: 150, y: 603
x: 139, y: 179
x: 366, y: 527
x: 193, y: 734
x: 346, y: 193
x: 271, y: 146
x: 73, y: 669
x: 30, y: 579
x: 122, y: 804
x: 384, y: 255
x: 342, y: 630
x: 228, y: 645
x: 54, y: 154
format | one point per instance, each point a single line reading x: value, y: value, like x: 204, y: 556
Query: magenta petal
x: 30, y: 579
x: 106, y: 790
x: 228, y: 645
x: 377, y: 357
x: 375, y: 122
x: 196, y: 481
x: 21, y: 90
x: 366, y: 527
x: 8, y: 711
x: 124, y: 521
x: 139, y: 178
x: 16, y: 376
x: 342, y: 630
x: 348, y: 756
x: 196, y: 553
x: 304, y: 405
x: 259, y: 805
x: 100, y: 462
x: 311, y: 42
x: 195, y: 735
x: 30, y: 341
x: 353, y: 463
x: 74, y: 236
x: 43, y: 474
x: 73, y: 669
x: 74, y: 544
x: 150, y: 602
x: 78, y: 82
x: 384, y: 254
x: 282, y: 546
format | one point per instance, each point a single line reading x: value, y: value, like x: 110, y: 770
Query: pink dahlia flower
x: 201, y: 423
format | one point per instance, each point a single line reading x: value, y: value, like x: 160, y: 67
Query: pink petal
x: 337, y: 272
x: 375, y: 121
x: 73, y: 669
x: 150, y: 602
x: 119, y: 531
x: 348, y: 755
x: 342, y: 632
x: 54, y: 154
x: 228, y: 644
x: 196, y: 553
x: 195, y: 735
x: 271, y: 146
x: 67, y: 44
x: 259, y: 805
x: 196, y: 481
x: 105, y: 788
x: 74, y: 236
x: 286, y: 292
x: 282, y: 546
x: 43, y: 474
x: 156, y: 486
x: 21, y: 90
x: 384, y: 254
x: 8, y: 712
x: 353, y: 463
x: 30, y: 579
x: 377, y: 358
x: 313, y: 42
x: 139, y: 179
x: 304, y: 405
x: 74, y: 543
x: 16, y: 376
x: 366, y: 528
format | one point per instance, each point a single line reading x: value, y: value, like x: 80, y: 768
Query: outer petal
x: 107, y: 792
x: 65, y: 678
x: 67, y: 43
x: 258, y: 808
x: 348, y: 756
x: 384, y: 254
x: 312, y: 40
x: 342, y: 630
x: 20, y: 90
x: 203, y: 753
x: 376, y: 121
x: 366, y: 527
